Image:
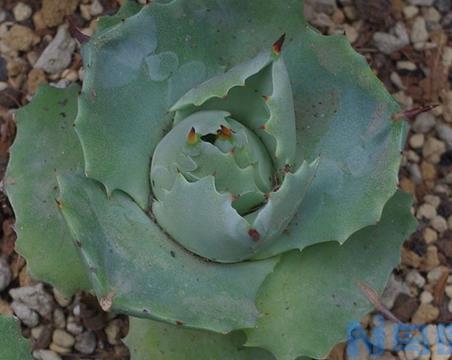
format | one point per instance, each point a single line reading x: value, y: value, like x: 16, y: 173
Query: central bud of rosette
x: 226, y: 179
x: 209, y: 146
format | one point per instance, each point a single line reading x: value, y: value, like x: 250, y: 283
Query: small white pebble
x: 447, y: 56
x: 448, y: 290
x: 417, y: 141
x: 430, y: 235
x: 96, y: 8
x: 3, y: 85
x: 63, y: 339
x: 434, y: 275
x: 439, y: 223
x: 36, y: 332
x: 432, y: 200
x: 412, y: 156
x: 61, y: 299
x: 426, y: 297
x: 112, y: 330
x: 73, y: 327
x: 406, y: 65
x: 397, y: 80
x: 414, y: 277
x: 22, y: 12
x: 431, y: 15
x: 351, y: 33
x: 45, y: 355
x: 426, y: 211
x: 410, y: 11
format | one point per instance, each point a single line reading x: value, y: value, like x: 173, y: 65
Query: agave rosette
x: 225, y: 188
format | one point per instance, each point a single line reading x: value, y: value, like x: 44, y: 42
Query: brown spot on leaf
x: 254, y: 234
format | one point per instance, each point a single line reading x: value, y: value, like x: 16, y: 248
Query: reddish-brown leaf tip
x: 192, y: 138
x: 277, y: 46
x: 412, y: 113
x: 224, y: 132
x: 75, y: 31
x: 374, y: 299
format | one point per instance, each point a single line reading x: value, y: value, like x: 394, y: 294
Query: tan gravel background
x: 409, y: 45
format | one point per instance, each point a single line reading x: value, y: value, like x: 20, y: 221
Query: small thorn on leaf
x: 412, y: 113
x: 277, y: 46
x: 254, y: 234
x: 263, y: 127
x: 10, y: 181
x: 58, y: 203
x: 265, y: 97
x: 225, y: 133
x: 106, y: 302
x: 179, y: 323
x: 288, y: 168
x: 235, y: 197
x: 192, y: 137
x: 375, y: 300
x: 76, y: 33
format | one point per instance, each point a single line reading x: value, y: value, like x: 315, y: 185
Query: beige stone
x: 54, y: 11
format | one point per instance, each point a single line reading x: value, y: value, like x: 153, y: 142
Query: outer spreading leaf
x: 46, y: 146
x: 344, y: 117
x: 12, y: 345
x: 136, y: 269
x: 129, y: 8
x: 310, y: 298
x: 157, y: 341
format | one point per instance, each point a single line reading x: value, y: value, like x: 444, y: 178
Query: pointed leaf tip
x: 225, y: 133
x: 76, y: 33
x: 372, y: 295
x: 192, y: 137
x: 412, y: 113
x: 277, y: 46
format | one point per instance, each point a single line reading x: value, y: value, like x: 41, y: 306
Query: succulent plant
x: 226, y: 175
x: 12, y: 345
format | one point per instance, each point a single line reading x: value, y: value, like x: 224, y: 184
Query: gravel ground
x: 409, y: 45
